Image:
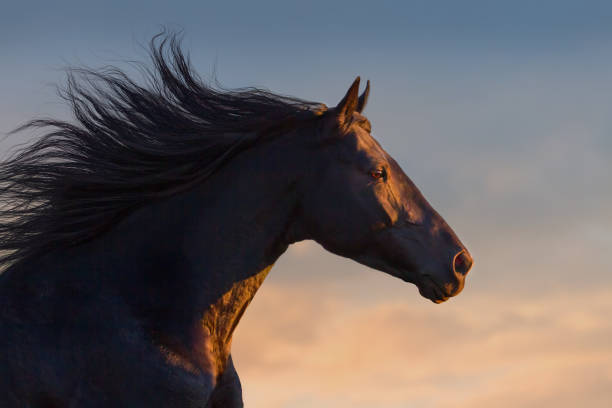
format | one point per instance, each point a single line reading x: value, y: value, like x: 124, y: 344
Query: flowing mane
x: 132, y: 142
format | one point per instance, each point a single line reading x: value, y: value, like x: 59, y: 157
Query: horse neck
x: 202, y: 254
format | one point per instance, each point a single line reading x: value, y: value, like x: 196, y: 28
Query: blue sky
x: 499, y: 111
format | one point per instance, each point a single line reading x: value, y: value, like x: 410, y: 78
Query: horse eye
x: 377, y: 174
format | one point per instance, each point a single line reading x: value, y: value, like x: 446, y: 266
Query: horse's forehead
x: 365, y: 143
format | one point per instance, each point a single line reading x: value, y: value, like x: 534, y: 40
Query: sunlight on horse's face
x: 367, y: 209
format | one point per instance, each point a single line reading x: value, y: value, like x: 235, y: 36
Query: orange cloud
x: 296, y: 348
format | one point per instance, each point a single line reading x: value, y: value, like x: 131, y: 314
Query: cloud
x: 297, y: 348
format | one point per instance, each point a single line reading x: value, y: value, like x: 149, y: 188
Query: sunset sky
x: 499, y: 111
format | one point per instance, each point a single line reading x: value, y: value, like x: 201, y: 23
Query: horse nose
x: 462, y: 263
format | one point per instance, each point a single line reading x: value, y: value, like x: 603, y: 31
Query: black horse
x: 135, y: 238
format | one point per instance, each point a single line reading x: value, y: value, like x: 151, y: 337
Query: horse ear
x: 363, y: 99
x: 349, y: 103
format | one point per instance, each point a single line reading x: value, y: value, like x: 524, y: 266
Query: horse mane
x: 132, y: 142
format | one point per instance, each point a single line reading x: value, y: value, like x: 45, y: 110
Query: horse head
x: 358, y: 203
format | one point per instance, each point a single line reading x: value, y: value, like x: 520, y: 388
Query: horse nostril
x: 462, y: 263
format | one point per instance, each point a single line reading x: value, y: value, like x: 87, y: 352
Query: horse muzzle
x: 440, y: 288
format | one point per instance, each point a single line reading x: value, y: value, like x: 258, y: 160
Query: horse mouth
x: 429, y: 289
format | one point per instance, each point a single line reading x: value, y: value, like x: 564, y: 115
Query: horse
x: 135, y: 235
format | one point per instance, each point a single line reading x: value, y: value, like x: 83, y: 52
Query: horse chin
x: 431, y: 290
x: 428, y: 288
x: 432, y: 294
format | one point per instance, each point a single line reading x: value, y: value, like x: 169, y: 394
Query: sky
x: 498, y: 111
